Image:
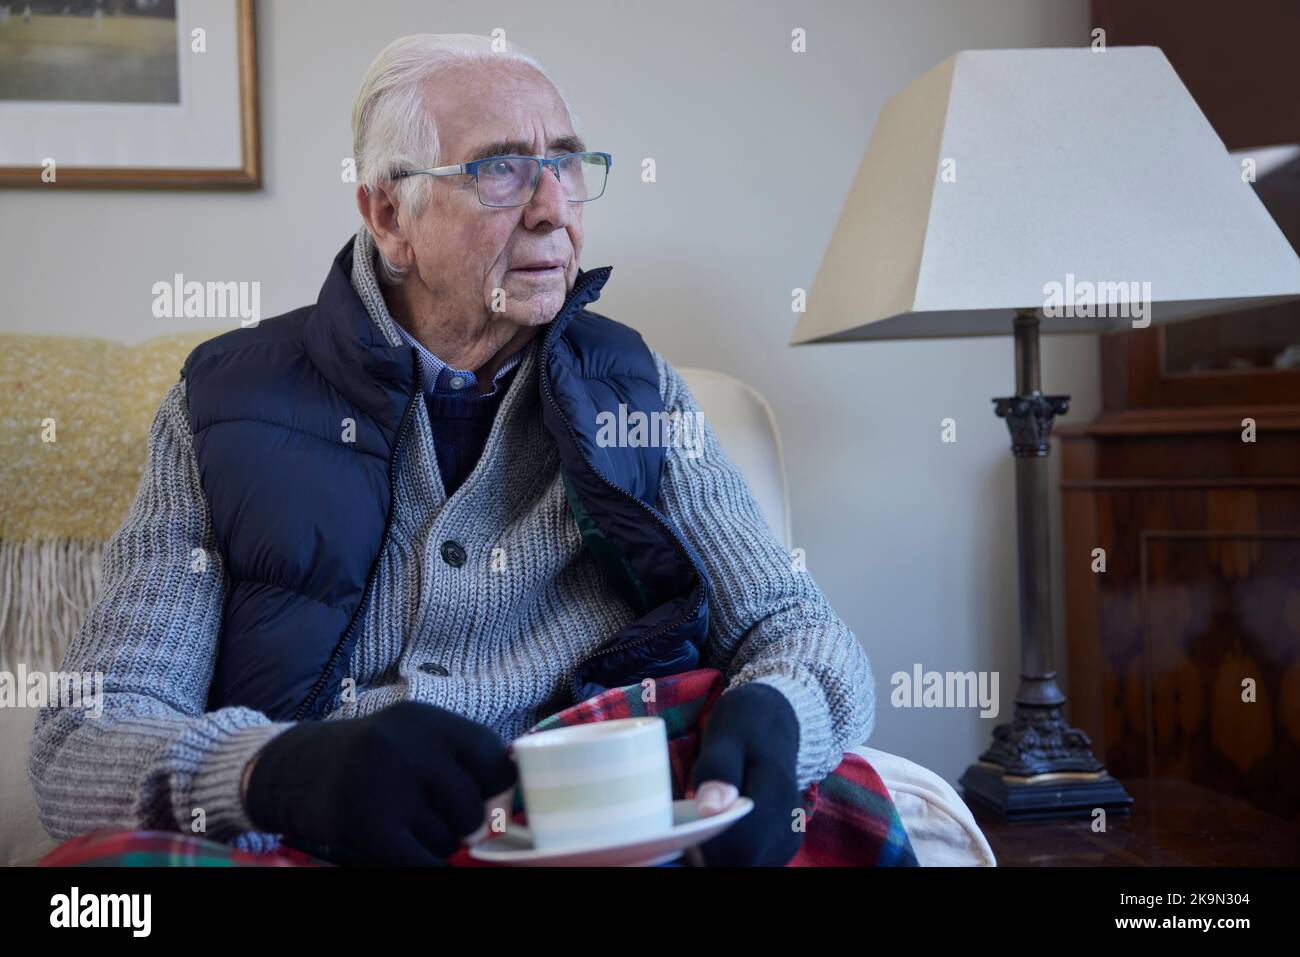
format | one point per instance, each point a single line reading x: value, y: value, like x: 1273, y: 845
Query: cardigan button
x: 433, y: 668
x: 453, y: 553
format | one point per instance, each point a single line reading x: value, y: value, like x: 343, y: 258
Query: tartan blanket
x: 118, y: 848
x: 850, y: 818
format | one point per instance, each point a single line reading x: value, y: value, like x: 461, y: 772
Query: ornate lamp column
x: 1038, y: 766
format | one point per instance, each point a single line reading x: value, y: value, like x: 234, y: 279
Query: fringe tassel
x: 46, y: 590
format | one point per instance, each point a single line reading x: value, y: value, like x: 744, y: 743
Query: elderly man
x: 380, y: 537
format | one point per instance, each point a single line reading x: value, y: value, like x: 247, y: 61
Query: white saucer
x: 515, y: 846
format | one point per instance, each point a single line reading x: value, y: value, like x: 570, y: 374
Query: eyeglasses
x: 504, y: 181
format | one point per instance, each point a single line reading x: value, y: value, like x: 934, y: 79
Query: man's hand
x: 407, y: 785
x: 749, y: 746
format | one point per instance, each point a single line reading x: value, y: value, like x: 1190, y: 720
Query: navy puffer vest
x: 301, y: 516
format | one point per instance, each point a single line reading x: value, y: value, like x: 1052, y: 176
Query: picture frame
x: 149, y: 102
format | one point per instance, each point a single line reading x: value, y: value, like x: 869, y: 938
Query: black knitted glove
x: 401, y: 786
x: 751, y: 740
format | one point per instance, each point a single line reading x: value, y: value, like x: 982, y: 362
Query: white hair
x: 392, y: 125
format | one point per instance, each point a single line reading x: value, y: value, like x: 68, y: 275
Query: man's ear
x: 378, y: 207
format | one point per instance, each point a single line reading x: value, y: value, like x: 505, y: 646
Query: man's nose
x: 549, y: 200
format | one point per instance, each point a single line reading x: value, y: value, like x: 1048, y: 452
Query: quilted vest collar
x: 351, y: 353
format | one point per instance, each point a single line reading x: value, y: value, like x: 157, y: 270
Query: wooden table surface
x: 1173, y: 823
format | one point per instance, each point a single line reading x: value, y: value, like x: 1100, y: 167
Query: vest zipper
x: 383, y: 544
x: 650, y: 513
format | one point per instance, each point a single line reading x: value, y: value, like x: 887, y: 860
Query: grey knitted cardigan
x: 507, y: 632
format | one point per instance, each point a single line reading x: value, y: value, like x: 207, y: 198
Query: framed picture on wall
x: 145, y: 94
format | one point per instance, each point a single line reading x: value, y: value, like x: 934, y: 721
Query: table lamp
x: 1043, y: 191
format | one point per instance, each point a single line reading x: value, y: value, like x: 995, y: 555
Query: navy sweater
x: 461, y: 422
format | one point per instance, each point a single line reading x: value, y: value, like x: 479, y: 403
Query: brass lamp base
x: 1039, y: 767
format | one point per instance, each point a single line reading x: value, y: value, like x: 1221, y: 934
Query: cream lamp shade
x: 1010, y: 180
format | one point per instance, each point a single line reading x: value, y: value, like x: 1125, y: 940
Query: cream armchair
x: 60, y: 502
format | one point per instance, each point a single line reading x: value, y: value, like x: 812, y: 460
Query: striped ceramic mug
x: 602, y: 783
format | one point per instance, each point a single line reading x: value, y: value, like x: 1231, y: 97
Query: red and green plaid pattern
x: 851, y: 819
x: 164, y: 849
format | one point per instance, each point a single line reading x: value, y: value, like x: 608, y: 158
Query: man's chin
x: 530, y: 313
x: 536, y: 303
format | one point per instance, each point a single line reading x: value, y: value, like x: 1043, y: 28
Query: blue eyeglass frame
x: 471, y: 168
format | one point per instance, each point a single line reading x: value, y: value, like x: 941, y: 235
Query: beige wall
x: 913, y: 540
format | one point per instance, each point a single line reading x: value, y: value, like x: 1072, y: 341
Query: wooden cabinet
x: 1200, y: 528
x: 1189, y: 481
x: 1201, y: 591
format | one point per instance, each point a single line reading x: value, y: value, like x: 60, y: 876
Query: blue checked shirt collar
x: 437, y: 376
